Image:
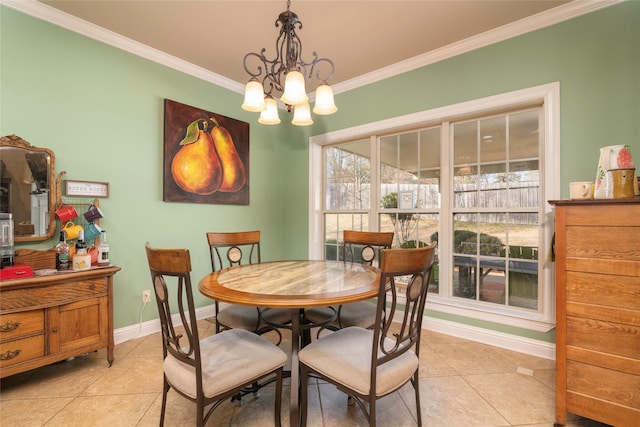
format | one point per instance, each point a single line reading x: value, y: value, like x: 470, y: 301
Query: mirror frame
x: 14, y: 141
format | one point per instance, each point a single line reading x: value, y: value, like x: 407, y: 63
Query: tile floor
x: 463, y: 383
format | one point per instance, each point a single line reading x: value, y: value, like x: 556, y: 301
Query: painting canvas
x: 206, y: 156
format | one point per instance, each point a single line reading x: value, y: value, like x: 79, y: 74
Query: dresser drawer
x: 52, y: 295
x: 21, y: 350
x: 604, y: 289
x: 16, y: 325
x: 605, y: 385
x: 605, y: 337
x: 615, y: 243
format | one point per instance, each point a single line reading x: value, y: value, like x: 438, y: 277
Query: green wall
x: 596, y: 59
x: 100, y: 110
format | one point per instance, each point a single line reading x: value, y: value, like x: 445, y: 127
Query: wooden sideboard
x: 597, y: 249
x: 49, y: 318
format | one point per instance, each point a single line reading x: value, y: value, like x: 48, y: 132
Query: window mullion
x: 445, y: 226
x: 374, y: 208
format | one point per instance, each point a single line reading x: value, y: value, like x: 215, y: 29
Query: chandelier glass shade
x: 302, y: 115
x: 269, y: 116
x: 287, y: 75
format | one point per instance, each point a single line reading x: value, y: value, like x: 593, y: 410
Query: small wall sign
x: 86, y: 188
x: 405, y: 200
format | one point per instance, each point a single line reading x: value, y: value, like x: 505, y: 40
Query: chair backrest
x: 414, y: 267
x: 365, y: 246
x: 236, y: 248
x: 175, y: 264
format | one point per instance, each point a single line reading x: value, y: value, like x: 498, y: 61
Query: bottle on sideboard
x: 103, y: 249
x: 81, y: 246
x: 81, y: 259
x: 62, y: 253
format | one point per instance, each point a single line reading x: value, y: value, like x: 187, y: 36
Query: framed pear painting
x: 206, y: 156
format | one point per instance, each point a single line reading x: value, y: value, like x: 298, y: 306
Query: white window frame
x: 548, y: 96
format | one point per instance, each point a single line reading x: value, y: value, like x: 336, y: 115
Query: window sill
x: 499, y: 315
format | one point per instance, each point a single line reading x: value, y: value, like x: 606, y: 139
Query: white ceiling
x: 361, y: 37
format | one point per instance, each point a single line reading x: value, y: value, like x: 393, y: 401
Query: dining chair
x: 369, y: 364
x: 228, y: 249
x: 213, y: 369
x: 363, y: 247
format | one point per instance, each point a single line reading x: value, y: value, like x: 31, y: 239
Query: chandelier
x: 287, y: 74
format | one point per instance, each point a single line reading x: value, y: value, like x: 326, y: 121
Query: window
x: 474, y: 177
x: 496, y: 209
x: 347, y: 195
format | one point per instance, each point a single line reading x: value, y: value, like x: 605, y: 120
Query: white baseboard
x: 472, y: 333
x: 497, y: 339
x: 149, y: 327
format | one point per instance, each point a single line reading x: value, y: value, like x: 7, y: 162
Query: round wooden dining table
x: 295, y: 285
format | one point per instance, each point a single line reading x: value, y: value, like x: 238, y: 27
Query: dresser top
x: 596, y: 201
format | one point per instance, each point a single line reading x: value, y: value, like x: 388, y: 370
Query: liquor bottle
x: 81, y: 259
x: 81, y: 246
x: 62, y: 253
x: 103, y: 249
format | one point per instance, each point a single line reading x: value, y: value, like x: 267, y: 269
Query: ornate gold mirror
x: 28, y: 188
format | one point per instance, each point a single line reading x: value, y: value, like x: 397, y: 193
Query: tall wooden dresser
x: 597, y: 248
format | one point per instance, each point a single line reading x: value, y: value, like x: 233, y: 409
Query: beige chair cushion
x: 229, y: 358
x: 344, y: 356
x: 361, y: 314
x: 245, y: 317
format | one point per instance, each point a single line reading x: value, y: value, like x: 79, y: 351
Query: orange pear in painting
x: 233, y: 174
x: 196, y: 167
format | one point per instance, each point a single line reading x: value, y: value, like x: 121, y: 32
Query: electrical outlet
x: 146, y: 296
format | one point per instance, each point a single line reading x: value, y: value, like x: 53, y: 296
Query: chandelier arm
x: 265, y: 71
x: 259, y: 68
x: 314, y: 65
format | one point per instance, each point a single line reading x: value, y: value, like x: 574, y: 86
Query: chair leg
x: 372, y: 411
x: 350, y: 400
x: 278, y: 399
x: 416, y: 386
x: 237, y: 400
x: 217, y: 308
x: 200, y: 411
x: 165, y: 391
x: 304, y: 395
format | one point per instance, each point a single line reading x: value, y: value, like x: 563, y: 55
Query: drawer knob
x: 54, y: 330
x: 10, y: 354
x: 92, y: 287
x: 9, y: 326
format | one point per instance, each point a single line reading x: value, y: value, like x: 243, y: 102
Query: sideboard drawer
x: 52, y: 295
x: 16, y: 325
x: 21, y: 350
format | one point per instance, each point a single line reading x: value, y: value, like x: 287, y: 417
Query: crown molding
x: 535, y: 22
x: 541, y: 20
x: 62, y: 19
